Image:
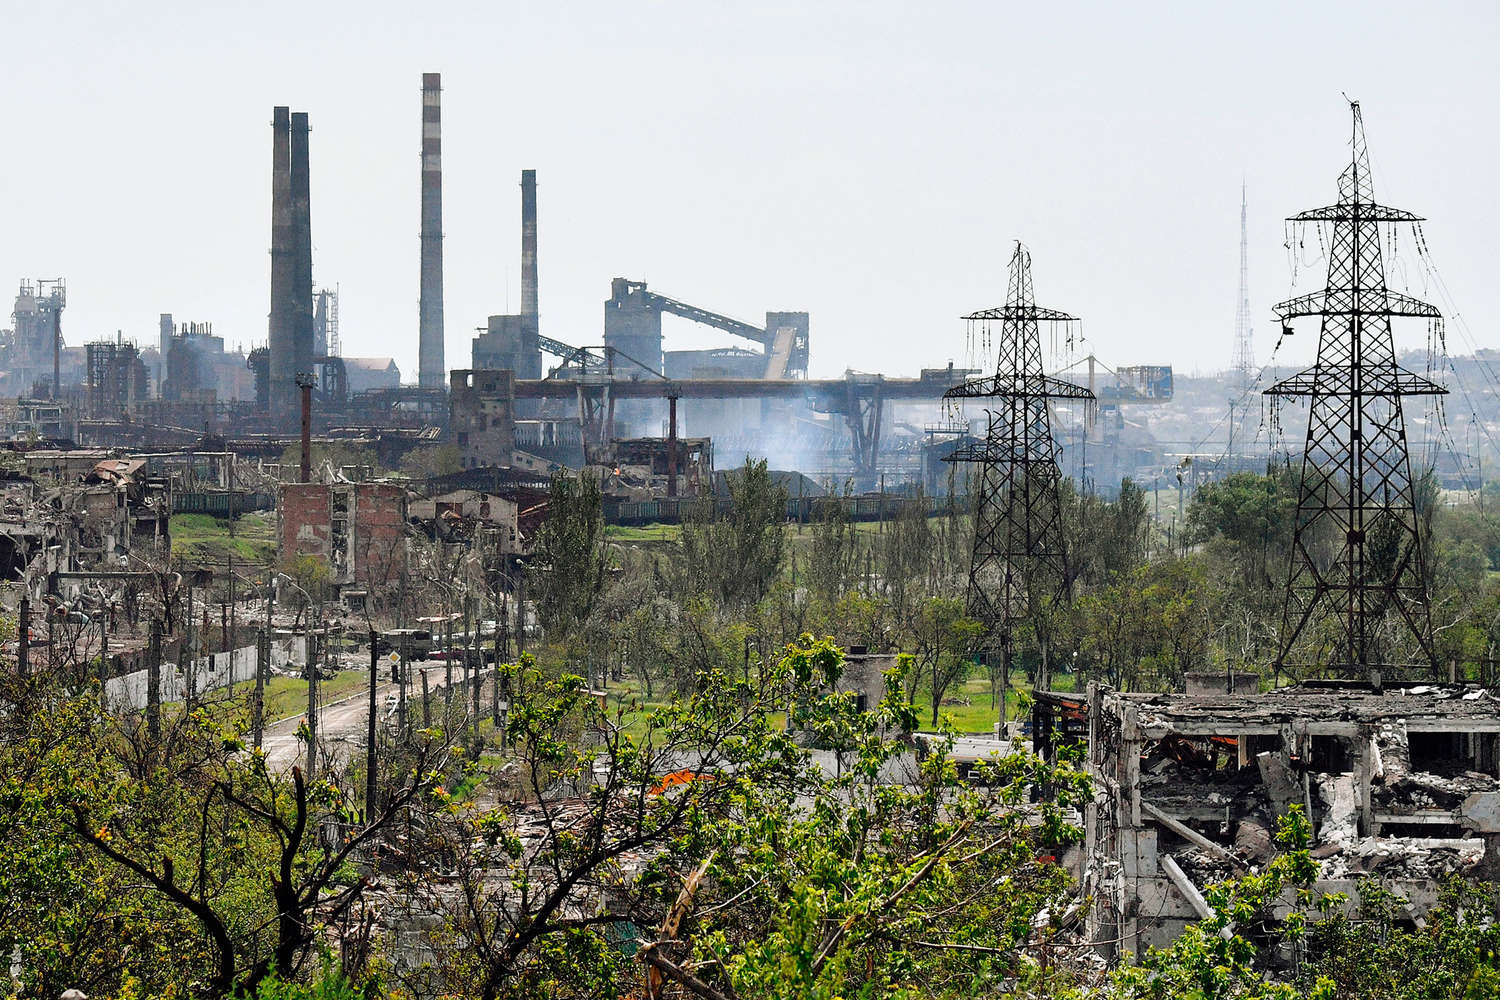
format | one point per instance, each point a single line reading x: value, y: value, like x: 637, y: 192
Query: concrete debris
x: 1403, y: 785
x: 1281, y: 785
x: 1336, y: 791
x: 1394, y: 749
x: 1407, y: 858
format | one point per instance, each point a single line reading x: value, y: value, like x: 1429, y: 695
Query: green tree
x: 570, y: 555
x: 736, y: 555
x: 835, y: 550
x: 429, y: 462
x: 908, y: 560
x: 1253, y: 516
x: 943, y: 642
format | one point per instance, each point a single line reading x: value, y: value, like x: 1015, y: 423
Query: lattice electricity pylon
x: 1356, y: 568
x: 1018, y: 539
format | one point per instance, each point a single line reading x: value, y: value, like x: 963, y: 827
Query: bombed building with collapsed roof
x: 1400, y: 785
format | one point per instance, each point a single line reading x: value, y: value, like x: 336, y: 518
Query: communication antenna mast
x: 1019, y: 554
x: 1243, y: 361
x: 1356, y: 575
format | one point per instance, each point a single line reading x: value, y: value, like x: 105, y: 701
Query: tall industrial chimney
x: 528, y: 249
x: 302, y: 288
x: 430, y: 325
x: 283, y: 391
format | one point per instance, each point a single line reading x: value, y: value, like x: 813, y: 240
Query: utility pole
x: 153, y: 682
x: 23, y: 633
x: 313, y: 654
x: 447, y: 667
x: 521, y: 612
x: 258, y: 705
x: 1356, y: 489
x: 187, y: 650
x: 370, y: 758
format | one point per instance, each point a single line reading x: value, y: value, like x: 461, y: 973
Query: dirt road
x: 342, y: 725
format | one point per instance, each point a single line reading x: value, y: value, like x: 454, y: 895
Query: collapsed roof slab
x: 1428, y: 708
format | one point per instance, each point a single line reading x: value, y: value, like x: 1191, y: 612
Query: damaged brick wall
x: 357, y: 529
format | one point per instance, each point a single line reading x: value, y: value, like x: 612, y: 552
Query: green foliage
x: 430, y: 461
x: 838, y: 892
x: 831, y: 564
x: 570, y: 554
x: 736, y: 556
x: 331, y: 983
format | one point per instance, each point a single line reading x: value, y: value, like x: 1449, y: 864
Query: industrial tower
x: 1243, y: 361
x: 1019, y: 555
x: 431, y: 373
x: 1356, y: 573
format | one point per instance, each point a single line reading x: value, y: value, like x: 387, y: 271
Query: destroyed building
x: 646, y: 468
x: 358, y: 530
x: 482, y: 416
x: 1401, y: 785
x: 462, y: 515
x: 117, y: 379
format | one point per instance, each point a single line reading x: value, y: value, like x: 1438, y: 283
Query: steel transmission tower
x: 1019, y: 554
x: 1356, y: 574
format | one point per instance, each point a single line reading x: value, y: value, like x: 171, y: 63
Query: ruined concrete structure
x: 357, y: 529
x: 29, y: 351
x: 482, y: 416
x: 640, y: 468
x: 117, y: 379
x: 1403, y: 786
x: 461, y: 515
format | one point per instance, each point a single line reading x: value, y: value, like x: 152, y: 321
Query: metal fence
x: 218, y: 503
x: 805, y: 509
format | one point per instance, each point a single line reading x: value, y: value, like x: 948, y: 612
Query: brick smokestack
x: 528, y: 249
x: 430, y: 367
x: 302, y: 296
x: 283, y: 389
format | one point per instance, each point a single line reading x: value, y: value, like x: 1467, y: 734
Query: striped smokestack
x: 430, y: 326
x: 528, y: 248
x: 302, y: 297
x: 283, y: 391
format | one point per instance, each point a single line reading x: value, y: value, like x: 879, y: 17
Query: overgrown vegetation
x: 725, y: 820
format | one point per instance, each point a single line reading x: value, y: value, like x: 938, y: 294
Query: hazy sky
x: 870, y: 163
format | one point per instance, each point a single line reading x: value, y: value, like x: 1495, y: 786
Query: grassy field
x: 969, y: 704
x: 287, y: 696
x: 205, y: 538
x: 647, y: 534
